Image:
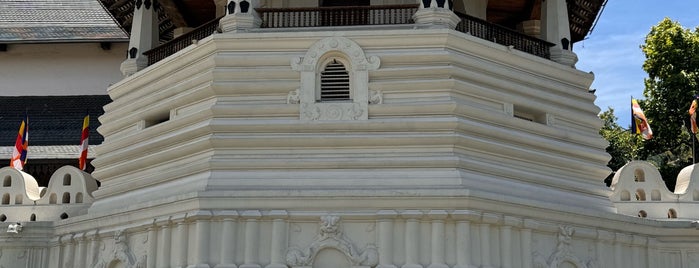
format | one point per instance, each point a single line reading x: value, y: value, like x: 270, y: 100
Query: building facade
x: 314, y: 136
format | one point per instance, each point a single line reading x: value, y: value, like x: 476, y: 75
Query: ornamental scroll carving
x: 331, y: 236
x: 563, y: 253
x: 358, y: 66
x: 121, y: 253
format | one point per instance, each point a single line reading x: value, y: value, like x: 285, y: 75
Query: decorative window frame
x: 358, y: 66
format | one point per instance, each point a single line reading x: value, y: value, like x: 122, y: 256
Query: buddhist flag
x: 19, y: 153
x: 639, y: 124
x: 82, y: 161
x: 693, y: 114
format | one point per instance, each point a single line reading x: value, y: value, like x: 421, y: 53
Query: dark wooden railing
x: 336, y: 16
x: 163, y: 51
x: 358, y: 15
x: 504, y: 36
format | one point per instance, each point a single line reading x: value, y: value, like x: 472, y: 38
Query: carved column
x: 463, y: 237
x: 620, y: 239
x: 69, y: 252
x: 202, y: 228
x: 240, y: 16
x: 93, y: 249
x: 144, y: 36
x: 438, y: 236
x: 228, y: 231
x: 385, y: 222
x: 181, y: 244
x: 437, y: 14
x: 506, y: 241
x: 279, y: 236
x: 166, y: 245
x: 82, y: 248
x: 555, y: 28
x: 526, y: 242
x: 56, y: 252
x: 252, y: 233
x: 412, y: 238
x: 152, y: 246
x: 636, y: 254
x: 484, y: 227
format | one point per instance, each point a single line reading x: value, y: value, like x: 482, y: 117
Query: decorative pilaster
x: 385, y: 222
x: 228, y: 231
x: 506, y: 241
x: 526, y: 242
x: 484, y: 227
x: 438, y: 236
x: 463, y: 237
x: 182, y: 244
x: 555, y: 28
x: 56, y: 251
x: 144, y: 36
x: 152, y: 246
x: 412, y: 238
x: 93, y: 249
x: 252, y: 233
x: 436, y: 13
x: 240, y: 16
x: 202, y: 228
x: 637, y: 244
x: 68, y: 258
x: 279, y: 236
x: 620, y: 239
x: 81, y: 251
x: 166, y: 242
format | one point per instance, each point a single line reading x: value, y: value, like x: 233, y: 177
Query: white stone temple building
x: 382, y: 134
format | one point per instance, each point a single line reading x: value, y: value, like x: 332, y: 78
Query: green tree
x: 623, y: 145
x: 672, y: 64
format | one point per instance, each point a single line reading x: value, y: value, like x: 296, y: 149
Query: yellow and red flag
x: 639, y: 124
x: 84, y: 137
x: 19, y: 153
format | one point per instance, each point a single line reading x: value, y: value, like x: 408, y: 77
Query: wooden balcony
x: 504, y: 36
x: 163, y: 51
x: 355, y: 16
x: 336, y: 16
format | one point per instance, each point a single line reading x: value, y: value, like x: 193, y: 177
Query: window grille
x: 334, y: 83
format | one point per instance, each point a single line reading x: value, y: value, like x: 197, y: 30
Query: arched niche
x: 639, y: 175
x: 625, y: 195
x: 352, y: 57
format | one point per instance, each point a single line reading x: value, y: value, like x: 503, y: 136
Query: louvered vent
x: 334, y: 83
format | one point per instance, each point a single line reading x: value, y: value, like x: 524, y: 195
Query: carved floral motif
x: 331, y: 236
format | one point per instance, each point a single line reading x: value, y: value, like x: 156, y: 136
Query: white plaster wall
x: 59, y: 69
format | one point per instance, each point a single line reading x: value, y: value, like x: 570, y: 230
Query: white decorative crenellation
x: 358, y: 65
x: 332, y: 237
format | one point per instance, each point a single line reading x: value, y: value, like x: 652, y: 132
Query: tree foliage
x: 672, y: 64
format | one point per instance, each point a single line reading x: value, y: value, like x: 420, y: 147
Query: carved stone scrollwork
x: 375, y: 97
x: 331, y: 236
x: 293, y: 97
x: 358, y: 65
x: 120, y: 253
x: 563, y: 253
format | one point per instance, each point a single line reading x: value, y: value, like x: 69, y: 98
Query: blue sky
x: 612, y: 51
